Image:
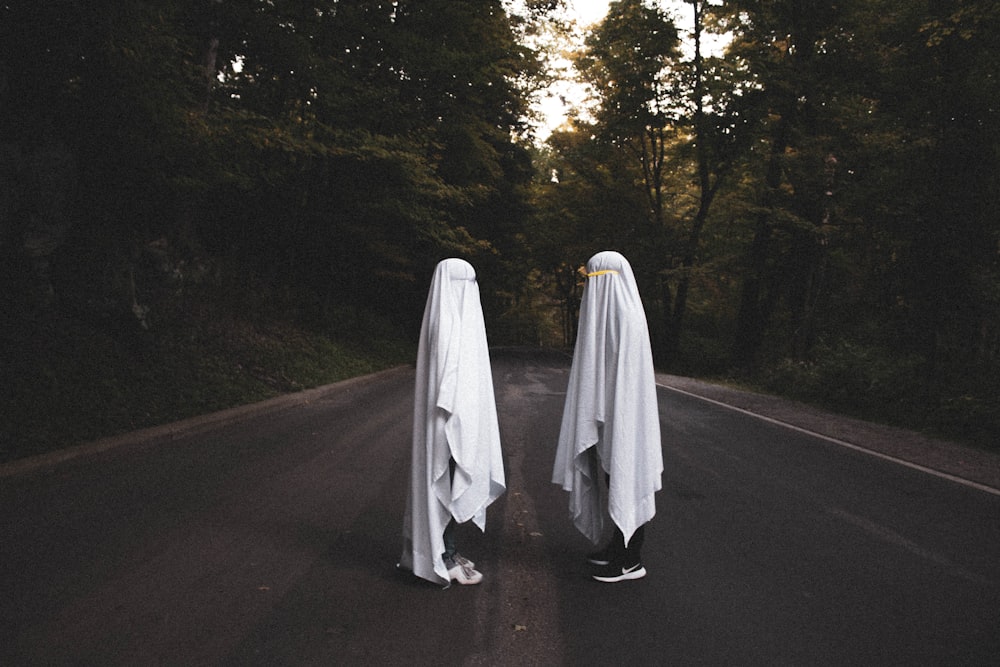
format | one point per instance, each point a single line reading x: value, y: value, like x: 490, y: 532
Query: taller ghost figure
x: 457, y: 466
x: 610, y: 423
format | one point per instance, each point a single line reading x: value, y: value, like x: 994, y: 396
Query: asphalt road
x: 269, y: 535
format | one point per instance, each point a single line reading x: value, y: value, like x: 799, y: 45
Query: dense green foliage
x: 814, y: 211
x: 336, y: 147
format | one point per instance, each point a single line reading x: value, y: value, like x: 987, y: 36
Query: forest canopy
x: 814, y: 209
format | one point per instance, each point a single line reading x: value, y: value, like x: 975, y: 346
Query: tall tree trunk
x: 708, y: 188
x: 757, y: 296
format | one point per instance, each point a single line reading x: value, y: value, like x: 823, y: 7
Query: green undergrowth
x: 70, y: 380
x: 874, y: 385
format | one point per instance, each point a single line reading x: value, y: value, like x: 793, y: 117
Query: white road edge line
x: 843, y: 443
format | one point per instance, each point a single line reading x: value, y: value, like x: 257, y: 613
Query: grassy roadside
x: 69, y: 381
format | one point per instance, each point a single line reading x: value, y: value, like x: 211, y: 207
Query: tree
x: 793, y: 58
x: 675, y: 117
x: 391, y: 126
x: 581, y: 204
x: 713, y: 115
x: 628, y: 61
x: 294, y: 142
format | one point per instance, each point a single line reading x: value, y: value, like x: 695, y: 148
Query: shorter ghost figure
x: 457, y: 466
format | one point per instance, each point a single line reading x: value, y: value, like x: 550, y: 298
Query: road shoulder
x: 951, y: 458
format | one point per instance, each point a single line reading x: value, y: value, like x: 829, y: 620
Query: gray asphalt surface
x: 269, y: 535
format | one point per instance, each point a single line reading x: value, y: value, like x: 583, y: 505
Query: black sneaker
x: 613, y: 573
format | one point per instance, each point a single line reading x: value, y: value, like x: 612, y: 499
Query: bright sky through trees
x: 588, y: 11
x: 566, y: 94
x: 555, y: 104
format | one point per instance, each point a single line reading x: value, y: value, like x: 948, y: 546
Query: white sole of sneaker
x: 465, y: 576
x: 638, y: 573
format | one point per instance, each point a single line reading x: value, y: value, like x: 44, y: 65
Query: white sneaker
x: 464, y: 575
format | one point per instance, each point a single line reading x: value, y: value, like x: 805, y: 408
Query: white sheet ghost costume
x: 454, y: 418
x: 610, y: 405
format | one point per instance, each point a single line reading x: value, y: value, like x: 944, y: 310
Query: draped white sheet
x: 611, y: 405
x: 454, y: 417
